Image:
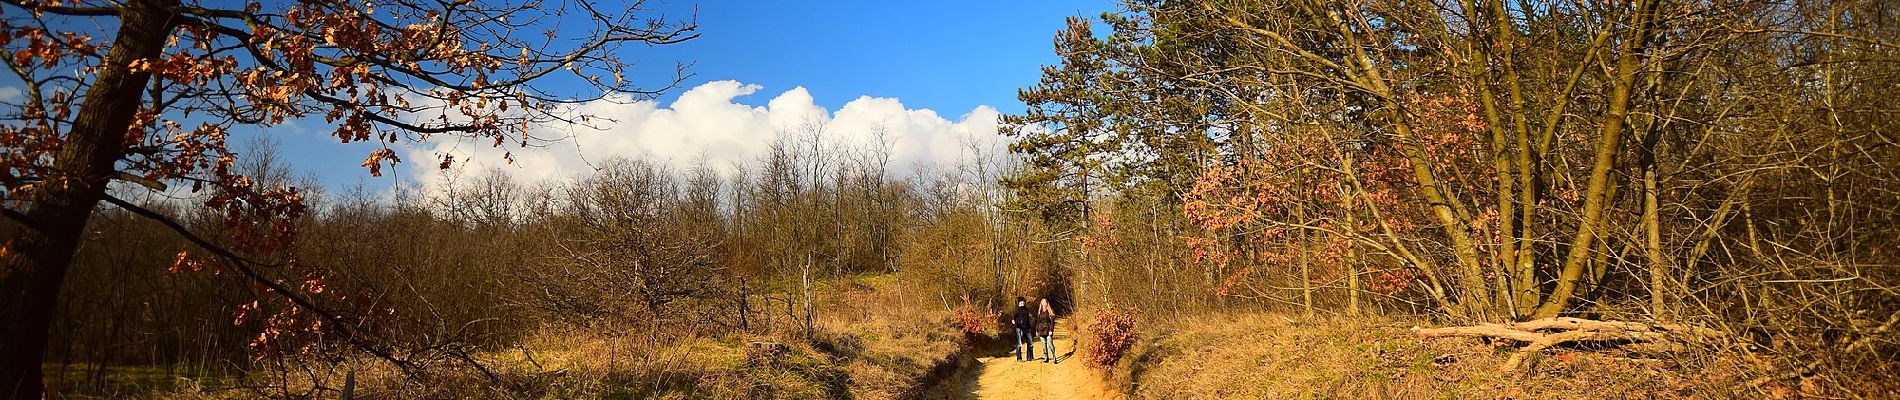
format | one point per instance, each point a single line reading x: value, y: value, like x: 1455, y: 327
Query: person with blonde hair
x: 1046, y: 328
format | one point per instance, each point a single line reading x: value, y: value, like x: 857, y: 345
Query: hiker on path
x: 1023, y: 322
x: 1046, y: 328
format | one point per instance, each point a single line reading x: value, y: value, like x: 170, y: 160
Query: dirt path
x: 1002, y: 377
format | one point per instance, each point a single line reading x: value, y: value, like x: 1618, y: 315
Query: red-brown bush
x: 971, y: 321
x: 1112, y: 332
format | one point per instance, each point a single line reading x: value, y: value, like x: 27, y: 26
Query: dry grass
x: 866, y: 346
x: 562, y: 364
x: 1269, y: 356
x: 888, y: 345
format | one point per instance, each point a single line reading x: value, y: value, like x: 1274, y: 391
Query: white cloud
x: 708, y: 122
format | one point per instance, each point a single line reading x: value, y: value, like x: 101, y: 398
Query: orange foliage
x: 971, y: 321
x: 1262, y: 197
x: 1111, y: 334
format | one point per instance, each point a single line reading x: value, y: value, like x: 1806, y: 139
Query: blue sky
x: 947, y: 57
x: 944, y: 55
x: 936, y: 73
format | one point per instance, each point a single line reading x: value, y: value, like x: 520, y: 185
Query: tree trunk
x: 1652, y: 232
x: 1609, y: 144
x: 805, y: 277
x: 34, y: 264
x: 1481, y: 70
x: 1306, y: 267
x: 745, y: 307
x: 1352, y: 256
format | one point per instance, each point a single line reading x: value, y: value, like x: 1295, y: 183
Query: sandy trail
x: 1002, y: 377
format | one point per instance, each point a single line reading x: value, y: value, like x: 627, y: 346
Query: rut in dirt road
x: 1002, y: 377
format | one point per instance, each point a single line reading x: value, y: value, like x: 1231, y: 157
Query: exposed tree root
x: 1537, y: 335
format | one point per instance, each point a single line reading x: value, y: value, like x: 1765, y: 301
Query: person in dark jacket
x: 1024, y: 322
x: 1046, y: 328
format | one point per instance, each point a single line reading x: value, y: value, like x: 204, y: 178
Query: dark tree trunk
x: 35, y: 262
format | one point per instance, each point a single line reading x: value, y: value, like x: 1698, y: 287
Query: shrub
x: 1112, y: 332
x: 971, y: 321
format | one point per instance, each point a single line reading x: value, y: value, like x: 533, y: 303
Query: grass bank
x: 1267, y: 356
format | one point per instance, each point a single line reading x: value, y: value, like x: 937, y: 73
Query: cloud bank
x: 708, y: 126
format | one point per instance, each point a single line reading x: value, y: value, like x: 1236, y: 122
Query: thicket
x: 1727, y: 164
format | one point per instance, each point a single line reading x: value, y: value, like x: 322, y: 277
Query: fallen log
x: 1541, y: 334
x: 1568, y: 324
x: 1480, y: 331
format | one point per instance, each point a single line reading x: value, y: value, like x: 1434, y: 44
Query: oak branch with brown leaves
x: 148, y: 91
